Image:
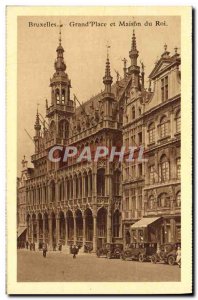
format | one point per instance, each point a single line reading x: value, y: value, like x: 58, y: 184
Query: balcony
x: 102, y: 200
x: 66, y: 108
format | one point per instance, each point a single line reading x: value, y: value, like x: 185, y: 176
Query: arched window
x: 178, y: 166
x: 116, y: 223
x: 178, y: 121
x: 63, y: 129
x: 151, y: 202
x: 178, y: 199
x: 163, y: 200
x: 116, y: 183
x: 101, y: 182
x: 63, y: 97
x: 133, y: 112
x: 164, y: 168
x: 151, y: 133
x: 140, y: 111
x: 52, y: 191
x: 163, y: 127
x: 57, y: 96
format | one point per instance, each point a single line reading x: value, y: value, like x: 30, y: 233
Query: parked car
x: 110, y: 250
x: 139, y: 251
x: 166, y: 253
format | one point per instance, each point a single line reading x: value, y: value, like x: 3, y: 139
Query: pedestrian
x: 33, y: 246
x: 44, y: 250
x: 178, y: 253
x: 74, y: 250
x: 54, y: 246
x: 27, y: 245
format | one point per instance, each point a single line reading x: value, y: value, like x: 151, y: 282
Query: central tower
x: 62, y: 107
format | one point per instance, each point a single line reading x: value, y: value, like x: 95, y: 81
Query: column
x: 83, y: 186
x: 84, y: 230
x: 74, y: 188
x: 94, y: 233
x: 43, y: 229
x: 57, y: 196
x: 57, y: 230
x: 109, y: 228
x: 66, y: 230
x: 65, y: 193
x: 94, y: 187
x: 32, y: 231
x: 172, y: 229
x: 75, y: 238
x: 89, y: 185
x: 50, y: 232
x: 38, y: 229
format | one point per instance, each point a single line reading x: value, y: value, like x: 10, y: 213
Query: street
x: 57, y: 267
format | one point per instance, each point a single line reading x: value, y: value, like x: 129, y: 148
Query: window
x: 101, y: 182
x: 140, y: 198
x: 127, y: 172
x: 116, y: 223
x: 163, y: 201
x: 133, y: 112
x: 152, y: 174
x: 178, y: 165
x: 133, y: 197
x: 178, y: 199
x: 127, y: 203
x: 127, y: 143
x: 133, y: 143
x: 63, y: 97
x: 140, y: 111
x: 140, y: 138
x: 140, y: 169
x: 151, y: 133
x: 163, y: 127
x: 57, y: 96
x: 164, y: 88
x: 133, y: 173
x: 178, y: 121
x: 151, y: 202
x: 164, y: 168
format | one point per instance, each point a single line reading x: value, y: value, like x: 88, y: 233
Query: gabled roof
x: 163, y: 64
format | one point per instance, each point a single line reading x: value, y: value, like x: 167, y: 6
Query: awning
x: 21, y: 230
x: 145, y: 222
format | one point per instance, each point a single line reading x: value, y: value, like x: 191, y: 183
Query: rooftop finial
x: 175, y: 50
x: 165, y: 47
x: 60, y: 25
x: 108, y: 47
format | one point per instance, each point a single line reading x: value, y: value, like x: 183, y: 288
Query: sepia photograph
x: 98, y: 149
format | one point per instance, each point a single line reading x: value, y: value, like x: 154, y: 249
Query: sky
x: 85, y: 57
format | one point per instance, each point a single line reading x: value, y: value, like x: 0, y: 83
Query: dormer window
x: 164, y: 88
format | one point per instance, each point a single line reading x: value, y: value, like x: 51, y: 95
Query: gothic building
x: 88, y: 202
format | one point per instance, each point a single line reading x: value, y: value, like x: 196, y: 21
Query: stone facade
x: 90, y: 203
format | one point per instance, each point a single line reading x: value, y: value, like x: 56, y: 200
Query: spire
x: 133, y: 44
x: 133, y: 54
x: 59, y: 62
x: 37, y: 125
x: 107, y: 79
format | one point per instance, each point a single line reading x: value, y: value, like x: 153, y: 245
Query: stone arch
x: 116, y: 223
x: 79, y: 224
x: 102, y: 222
x: 88, y: 224
x: 70, y: 225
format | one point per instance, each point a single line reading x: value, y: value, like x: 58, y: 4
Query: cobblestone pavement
x: 58, y: 266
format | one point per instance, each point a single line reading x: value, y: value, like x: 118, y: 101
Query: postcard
x: 99, y: 150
